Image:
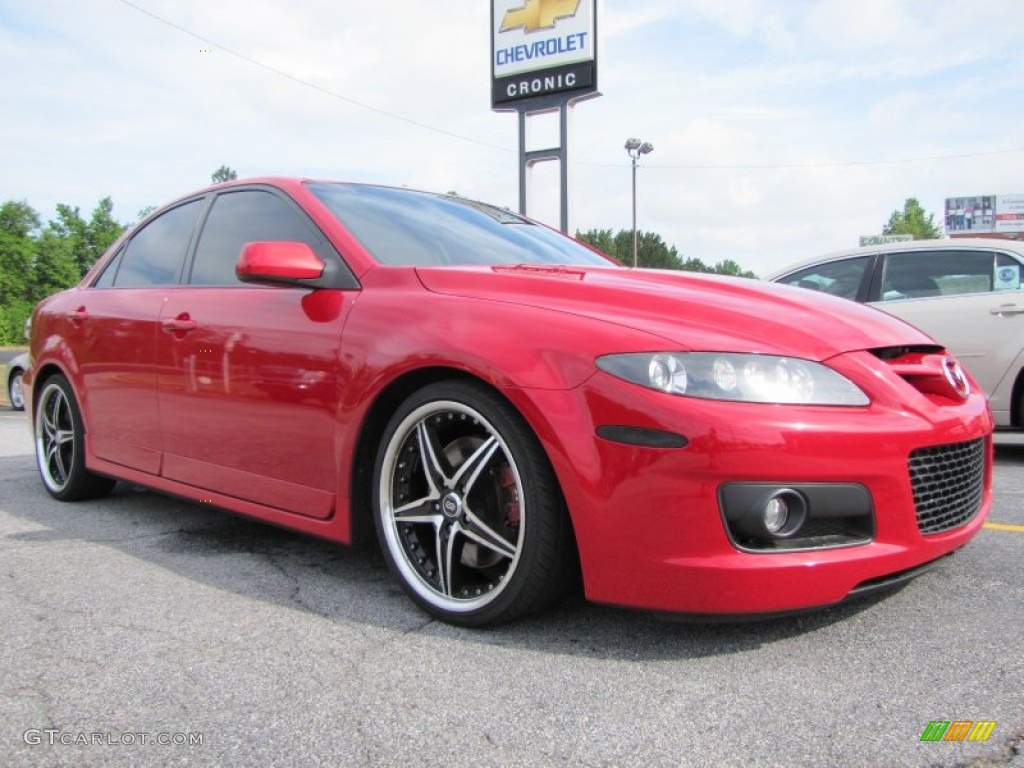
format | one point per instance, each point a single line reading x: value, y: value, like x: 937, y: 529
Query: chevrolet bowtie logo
x: 538, y: 14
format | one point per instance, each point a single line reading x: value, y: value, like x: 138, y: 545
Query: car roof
x: 948, y: 244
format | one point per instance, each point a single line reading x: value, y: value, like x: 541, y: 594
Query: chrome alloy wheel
x: 451, y: 503
x: 55, y: 437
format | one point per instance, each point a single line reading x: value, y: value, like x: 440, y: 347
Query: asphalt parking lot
x: 145, y: 630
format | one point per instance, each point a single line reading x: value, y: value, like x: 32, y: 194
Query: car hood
x: 692, y: 311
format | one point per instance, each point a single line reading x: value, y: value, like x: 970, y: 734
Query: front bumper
x: 648, y: 522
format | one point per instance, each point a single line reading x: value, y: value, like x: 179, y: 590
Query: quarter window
x: 154, y: 254
x: 1008, y: 273
x: 242, y: 217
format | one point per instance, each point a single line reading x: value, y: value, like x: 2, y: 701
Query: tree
x: 653, y: 252
x: 601, y: 239
x: 55, y: 267
x: 88, y: 239
x: 35, y: 263
x: 730, y: 267
x: 224, y: 173
x: 18, y: 218
x: 911, y: 221
x: 18, y: 225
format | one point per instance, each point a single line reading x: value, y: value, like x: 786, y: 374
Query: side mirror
x: 283, y: 263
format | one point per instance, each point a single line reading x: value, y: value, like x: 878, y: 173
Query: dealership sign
x: 541, y: 48
x: 884, y: 239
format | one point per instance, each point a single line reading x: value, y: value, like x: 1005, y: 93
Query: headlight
x: 730, y: 376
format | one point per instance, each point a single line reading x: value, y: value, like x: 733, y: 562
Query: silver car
x: 966, y: 293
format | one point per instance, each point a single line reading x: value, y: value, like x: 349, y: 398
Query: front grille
x: 948, y: 481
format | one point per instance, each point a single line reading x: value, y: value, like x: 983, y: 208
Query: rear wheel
x: 60, y: 445
x: 15, y: 393
x: 467, y: 508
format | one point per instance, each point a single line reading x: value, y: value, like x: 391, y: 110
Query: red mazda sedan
x: 506, y: 405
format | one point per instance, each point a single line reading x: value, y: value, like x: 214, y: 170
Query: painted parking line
x: 1005, y: 527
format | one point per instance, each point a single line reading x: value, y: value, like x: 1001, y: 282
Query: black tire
x: 60, y: 445
x: 15, y: 393
x: 468, y: 512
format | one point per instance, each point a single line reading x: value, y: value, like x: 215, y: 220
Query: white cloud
x: 101, y: 98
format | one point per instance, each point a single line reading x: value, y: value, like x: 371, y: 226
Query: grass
x: 3, y: 390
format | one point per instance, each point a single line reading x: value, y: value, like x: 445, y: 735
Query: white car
x: 966, y: 293
x: 15, y: 371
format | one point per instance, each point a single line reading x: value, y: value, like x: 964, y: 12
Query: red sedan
x: 506, y: 405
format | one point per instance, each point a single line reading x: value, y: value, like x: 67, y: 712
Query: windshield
x: 403, y: 227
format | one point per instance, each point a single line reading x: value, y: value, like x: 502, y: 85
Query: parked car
x: 15, y: 372
x: 967, y: 293
x: 505, y: 406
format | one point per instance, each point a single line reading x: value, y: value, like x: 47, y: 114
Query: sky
x: 782, y: 129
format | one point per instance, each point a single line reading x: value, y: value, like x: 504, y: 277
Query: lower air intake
x: 948, y: 483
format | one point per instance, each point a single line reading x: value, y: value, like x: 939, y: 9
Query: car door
x: 249, y: 375
x: 970, y: 300
x: 114, y: 333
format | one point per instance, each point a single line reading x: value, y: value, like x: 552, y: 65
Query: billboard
x: 1010, y: 213
x: 540, y: 48
x: 985, y: 214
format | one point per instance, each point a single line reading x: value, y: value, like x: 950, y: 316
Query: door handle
x: 180, y: 324
x: 1007, y: 309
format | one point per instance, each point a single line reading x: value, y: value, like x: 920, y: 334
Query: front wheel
x: 60, y: 445
x: 467, y: 508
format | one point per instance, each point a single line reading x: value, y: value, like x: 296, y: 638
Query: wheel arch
x: 40, y: 376
x: 372, y: 429
x: 1017, y: 401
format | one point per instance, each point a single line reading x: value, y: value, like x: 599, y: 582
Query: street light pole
x: 635, y: 148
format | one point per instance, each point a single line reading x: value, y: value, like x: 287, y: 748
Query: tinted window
x: 947, y: 273
x: 837, y: 278
x: 244, y: 217
x: 399, y: 226
x: 106, y: 278
x: 154, y: 254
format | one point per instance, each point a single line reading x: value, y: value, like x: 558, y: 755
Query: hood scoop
x: 540, y: 270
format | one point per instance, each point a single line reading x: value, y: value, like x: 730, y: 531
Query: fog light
x: 776, y: 514
x: 771, y: 517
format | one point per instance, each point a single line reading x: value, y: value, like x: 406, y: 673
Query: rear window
x: 922, y: 274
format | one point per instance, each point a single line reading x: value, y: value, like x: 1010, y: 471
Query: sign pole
x: 543, y: 59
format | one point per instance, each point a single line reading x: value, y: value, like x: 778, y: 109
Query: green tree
x: 55, y: 267
x: 35, y: 263
x: 101, y: 231
x: 730, y: 267
x: 18, y: 224
x: 601, y: 239
x: 88, y: 239
x: 224, y: 173
x: 911, y: 221
x: 653, y: 252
